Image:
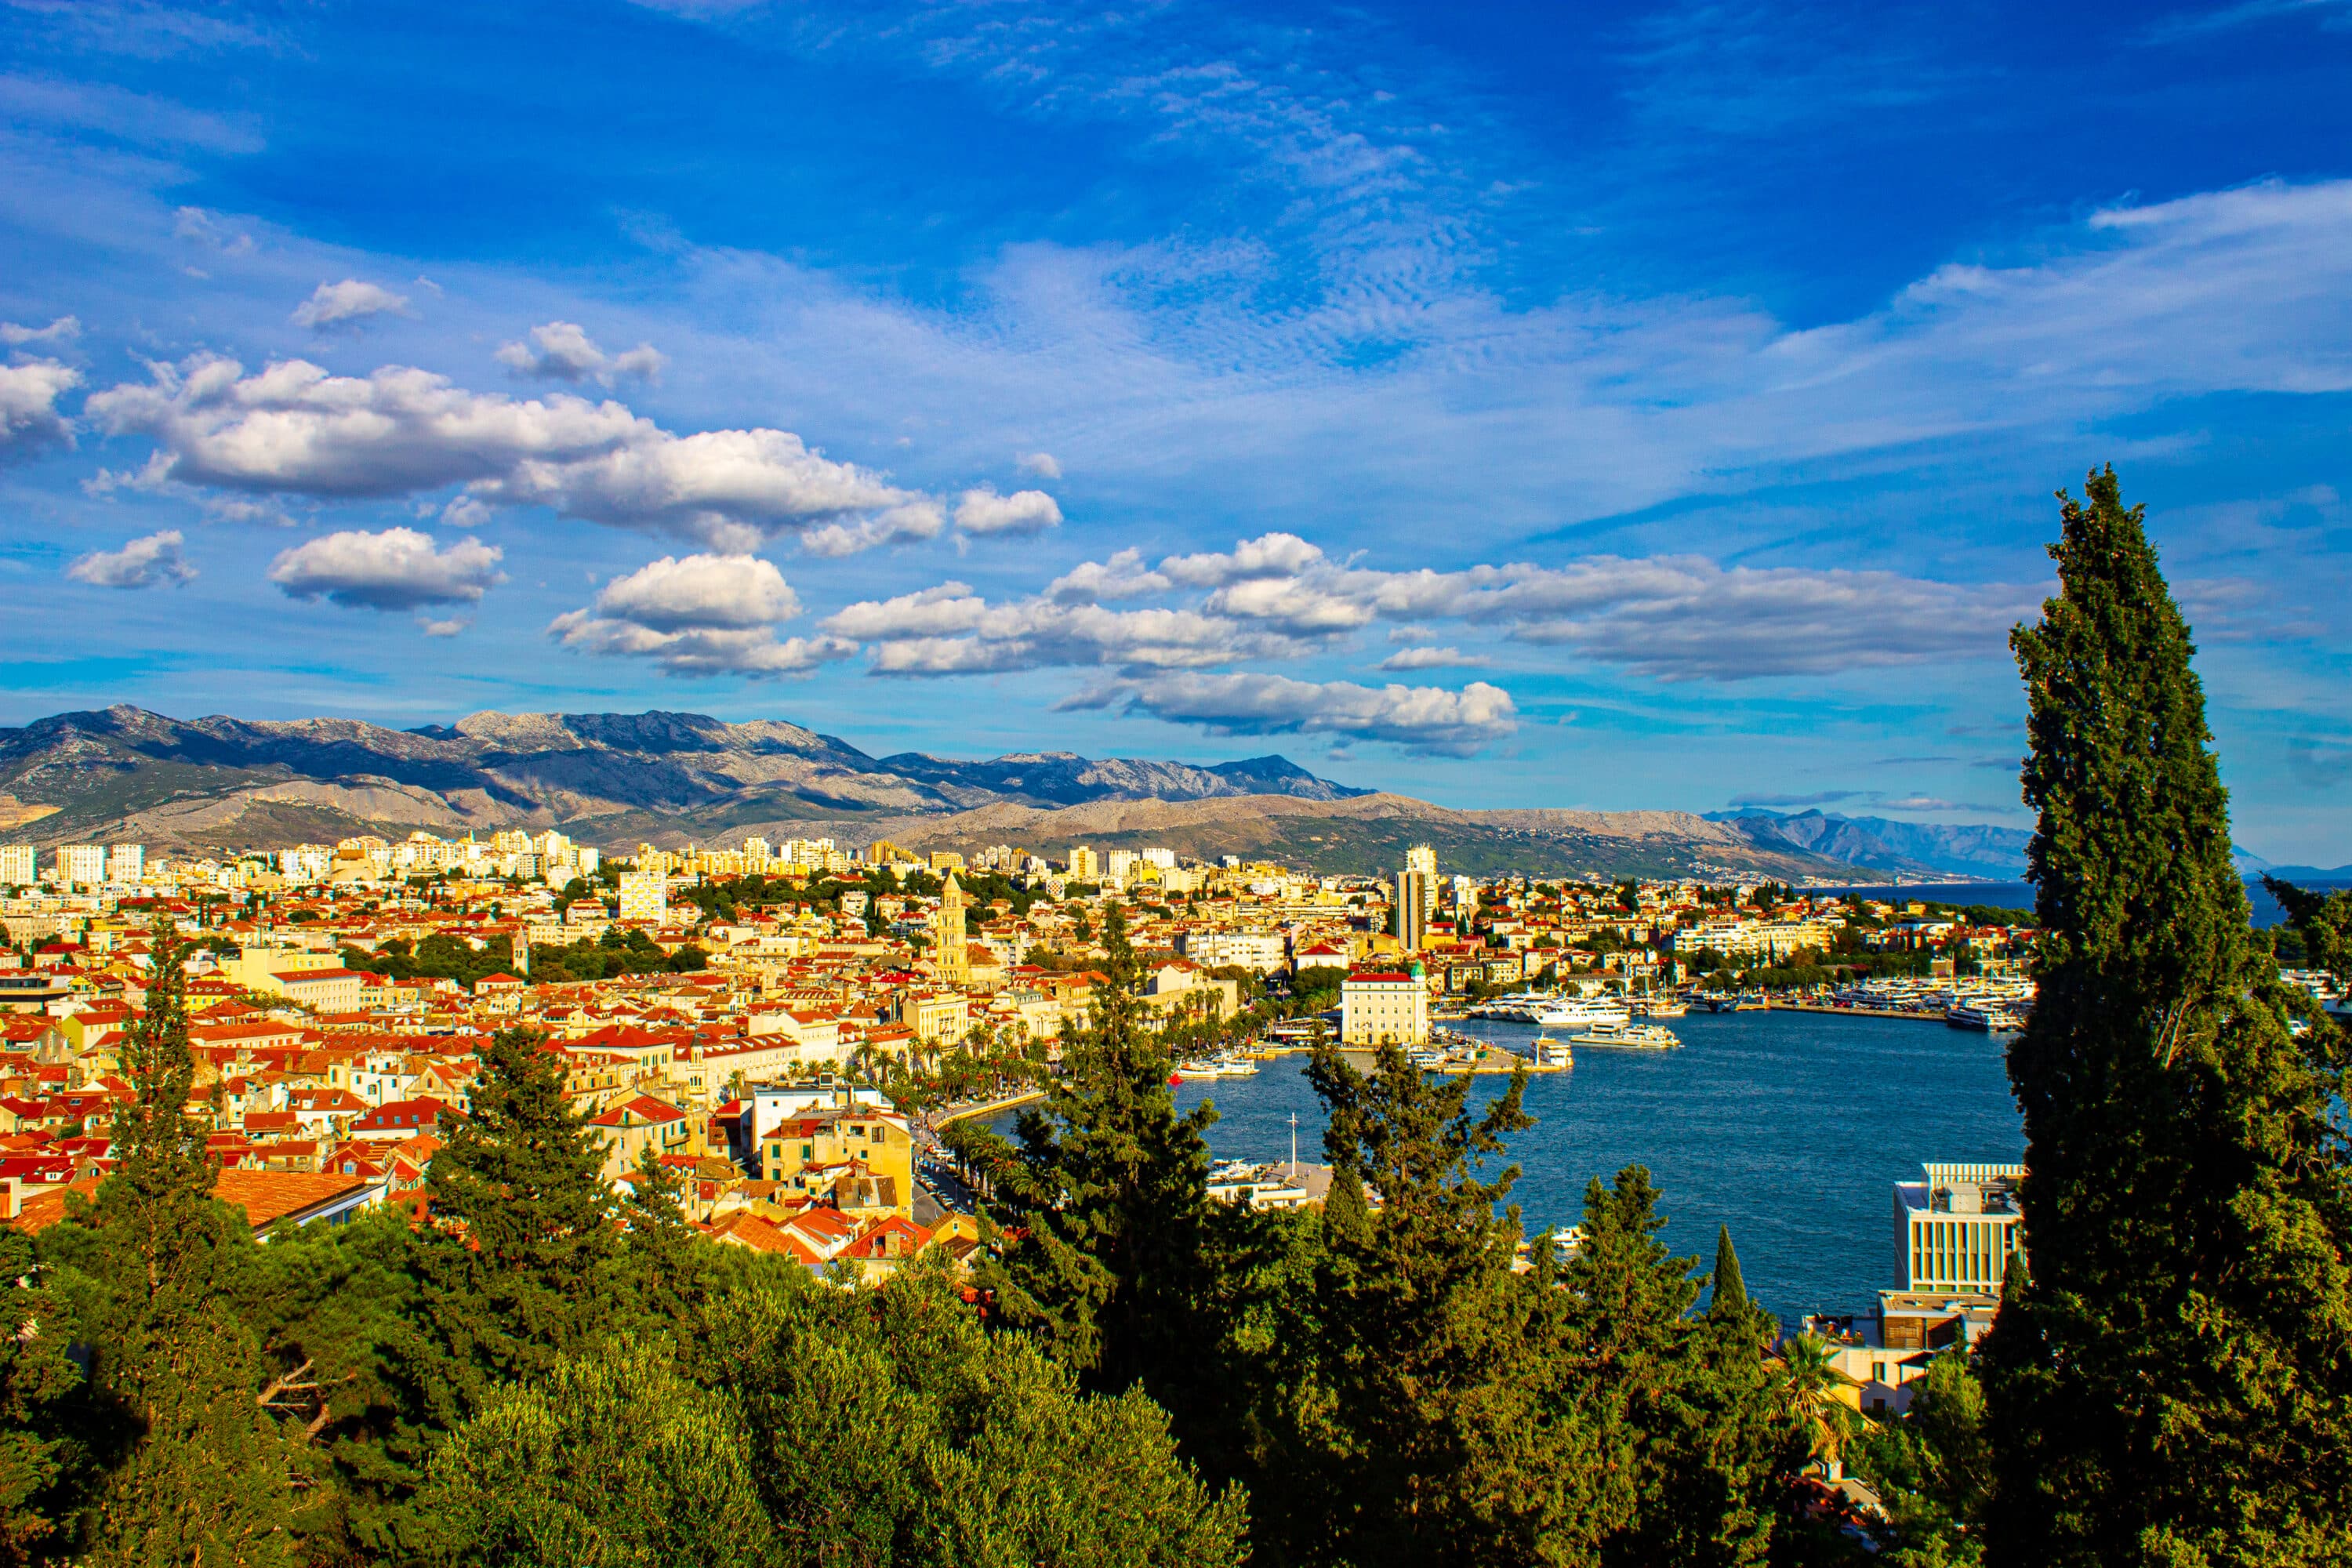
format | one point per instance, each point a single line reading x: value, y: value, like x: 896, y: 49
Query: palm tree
x: 1810, y: 1378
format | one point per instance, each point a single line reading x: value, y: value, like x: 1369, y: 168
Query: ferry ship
x: 1583, y: 1012
x: 1551, y: 1053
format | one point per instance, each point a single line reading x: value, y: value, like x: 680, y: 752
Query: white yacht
x: 1216, y: 1066
x: 1662, y: 1007
x: 1584, y: 1011
x: 1629, y: 1037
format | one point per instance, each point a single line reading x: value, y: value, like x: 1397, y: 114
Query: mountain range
x: 613, y: 778
x: 1912, y: 849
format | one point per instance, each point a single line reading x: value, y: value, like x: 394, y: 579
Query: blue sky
x: 1511, y: 404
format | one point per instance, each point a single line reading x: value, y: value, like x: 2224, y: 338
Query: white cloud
x: 1268, y: 555
x: 29, y: 420
x: 562, y: 350
x: 1039, y: 465
x: 702, y: 650
x: 1123, y: 576
x: 449, y: 628
x: 65, y: 329
x: 143, y: 562
x: 398, y: 569
x: 350, y: 300
x: 702, y: 615
x: 671, y: 595
x: 292, y: 427
x: 905, y: 524
x: 1427, y: 718
x: 1433, y: 658
x: 949, y: 630
x: 1023, y: 512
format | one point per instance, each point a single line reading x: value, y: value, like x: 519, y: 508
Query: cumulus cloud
x: 294, y: 428
x: 1039, y: 465
x: 702, y: 615
x: 398, y: 569
x: 951, y: 630
x: 347, y: 302
x: 144, y: 562
x: 1267, y: 555
x: 29, y: 420
x: 906, y: 524
x: 1123, y: 576
x: 562, y: 350
x: 671, y: 595
x: 1427, y: 718
x: 449, y: 628
x: 1023, y: 512
x: 65, y: 329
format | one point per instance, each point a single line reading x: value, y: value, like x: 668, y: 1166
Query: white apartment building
x: 1119, y: 865
x: 81, y: 865
x: 125, y: 862
x: 1388, y: 1007
x: 1165, y: 859
x: 644, y: 896
x: 1085, y: 867
x: 1260, y: 950
x: 1955, y: 1230
x: 17, y: 866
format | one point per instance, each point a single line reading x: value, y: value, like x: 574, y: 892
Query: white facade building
x: 16, y: 866
x: 125, y: 862
x: 81, y: 865
x: 1955, y: 1230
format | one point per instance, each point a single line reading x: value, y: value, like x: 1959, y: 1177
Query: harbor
x: 1789, y: 1126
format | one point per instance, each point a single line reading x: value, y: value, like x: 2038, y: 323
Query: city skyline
x: 1509, y: 410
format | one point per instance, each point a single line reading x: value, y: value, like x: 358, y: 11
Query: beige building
x: 1383, y: 1007
x: 644, y: 896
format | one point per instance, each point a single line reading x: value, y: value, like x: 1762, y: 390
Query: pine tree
x: 2174, y: 1385
x: 510, y: 1274
x: 43, y: 1458
x: 201, y: 1478
x: 1436, y: 1395
x: 1698, y: 1430
x: 1104, y: 1206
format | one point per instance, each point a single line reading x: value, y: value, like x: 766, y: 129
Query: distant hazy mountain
x: 125, y: 772
x: 1879, y: 844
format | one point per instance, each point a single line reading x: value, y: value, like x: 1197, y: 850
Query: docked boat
x: 1583, y: 1013
x: 1662, y: 1007
x: 1983, y: 1017
x: 1629, y: 1036
x: 1216, y: 1066
x: 1551, y: 1053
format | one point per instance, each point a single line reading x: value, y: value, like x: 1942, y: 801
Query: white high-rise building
x: 1955, y: 1230
x: 1163, y: 858
x: 16, y: 866
x: 125, y: 862
x: 81, y: 865
x: 1083, y: 866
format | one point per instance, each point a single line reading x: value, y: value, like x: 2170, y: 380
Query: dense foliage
x: 2174, y: 1385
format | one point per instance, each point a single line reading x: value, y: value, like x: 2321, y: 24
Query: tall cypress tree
x: 2174, y: 1383
x: 202, y: 1477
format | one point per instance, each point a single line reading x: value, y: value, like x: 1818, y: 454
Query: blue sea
x: 1792, y: 1127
